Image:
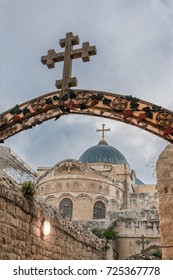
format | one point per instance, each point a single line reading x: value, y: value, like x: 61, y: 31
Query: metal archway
x: 131, y: 110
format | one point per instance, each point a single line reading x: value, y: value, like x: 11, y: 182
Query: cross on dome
x: 103, y: 131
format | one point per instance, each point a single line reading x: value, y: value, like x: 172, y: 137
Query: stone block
x: 2, y: 204
x: 2, y: 215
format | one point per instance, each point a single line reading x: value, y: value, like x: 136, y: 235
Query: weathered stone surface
x: 21, y: 230
x: 164, y: 169
x: 130, y: 225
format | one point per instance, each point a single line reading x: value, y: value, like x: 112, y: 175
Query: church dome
x: 102, y: 153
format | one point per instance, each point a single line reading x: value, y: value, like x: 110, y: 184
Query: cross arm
x: 107, y: 129
x: 85, y: 52
x: 51, y: 58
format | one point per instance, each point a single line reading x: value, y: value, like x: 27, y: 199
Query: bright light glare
x: 46, y: 228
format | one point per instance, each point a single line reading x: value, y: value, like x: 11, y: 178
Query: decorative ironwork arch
x: 128, y: 109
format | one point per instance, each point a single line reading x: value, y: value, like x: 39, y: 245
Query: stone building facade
x: 100, y: 190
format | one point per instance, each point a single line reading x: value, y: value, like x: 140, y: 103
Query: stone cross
x: 103, y: 131
x: 142, y: 241
x: 52, y: 57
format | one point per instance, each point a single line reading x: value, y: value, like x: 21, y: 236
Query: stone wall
x: 144, y: 200
x: 164, y: 170
x: 131, y: 224
x: 21, y: 230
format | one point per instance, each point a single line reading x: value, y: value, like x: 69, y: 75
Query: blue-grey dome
x: 102, y: 153
x: 138, y: 182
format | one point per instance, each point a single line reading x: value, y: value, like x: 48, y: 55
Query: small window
x: 99, y: 211
x: 66, y: 207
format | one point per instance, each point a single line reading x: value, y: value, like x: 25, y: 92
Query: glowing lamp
x: 46, y: 228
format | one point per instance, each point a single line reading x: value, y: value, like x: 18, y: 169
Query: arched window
x: 99, y: 211
x: 66, y: 207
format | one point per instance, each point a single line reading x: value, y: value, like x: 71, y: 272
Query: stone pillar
x: 164, y: 170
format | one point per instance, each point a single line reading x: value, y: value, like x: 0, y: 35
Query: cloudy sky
x: 134, y: 40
